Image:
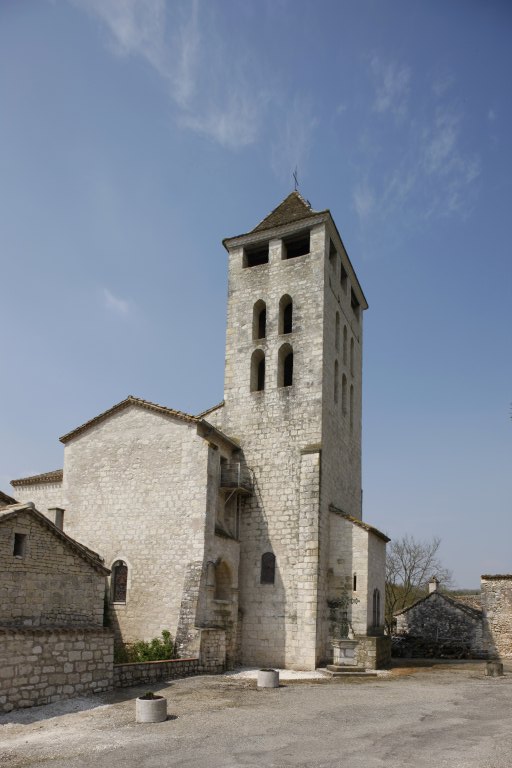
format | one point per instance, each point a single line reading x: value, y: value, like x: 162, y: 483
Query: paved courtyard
x: 434, y: 715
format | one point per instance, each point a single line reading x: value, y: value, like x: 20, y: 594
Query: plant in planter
x: 151, y: 708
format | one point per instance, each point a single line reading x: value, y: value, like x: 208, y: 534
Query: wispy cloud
x: 428, y: 170
x: 194, y: 65
x: 363, y: 199
x: 391, y: 86
x: 114, y: 303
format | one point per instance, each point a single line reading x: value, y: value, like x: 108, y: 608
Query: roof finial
x: 295, y: 178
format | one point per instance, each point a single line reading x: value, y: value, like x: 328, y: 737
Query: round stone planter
x: 151, y: 710
x: 268, y: 678
x: 494, y: 669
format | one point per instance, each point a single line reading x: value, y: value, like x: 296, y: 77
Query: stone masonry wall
x: 45, y: 496
x: 135, y: 490
x: 274, y: 426
x: 497, y: 608
x: 439, y: 620
x: 39, y: 666
x: 51, y: 584
x: 374, y: 652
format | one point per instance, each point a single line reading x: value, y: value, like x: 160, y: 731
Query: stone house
x: 247, y: 516
x: 52, y: 641
x: 442, y: 620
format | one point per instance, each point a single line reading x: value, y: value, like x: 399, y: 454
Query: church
x: 247, y: 516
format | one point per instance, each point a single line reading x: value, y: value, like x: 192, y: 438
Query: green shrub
x: 157, y: 649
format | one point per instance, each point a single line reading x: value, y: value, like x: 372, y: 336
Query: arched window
x: 345, y: 340
x: 285, y: 366
x: 119, y: 581
x: 222, y: 582
x: 268, y: 568
x: 376, y: 608
x: 259, y: 320
x: 351, y: 407
x: 335, y: 381
x: 286, y: 314
x: 337, y: 336
x: 344, y: 394
x: 258, y: 370
x: 352, y: 356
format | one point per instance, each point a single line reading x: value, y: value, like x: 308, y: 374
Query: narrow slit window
x: 352, y: 356
x: 258, y: 371
x: 376, y: 608
x: 337, y: 332
x: 344, y: 394
x: 351, y: 407
x: 119, y: 582
x: 335, y: 381
x: 285, y: 366
x: 259, y: 320
x: 268, y: 568
x: 356, y: 307
x: 354, y: 583
x: 345, y: 344
x: 343, y: 277
x: 332, y: 255
x: 20, y: 545
x: 286, y: 314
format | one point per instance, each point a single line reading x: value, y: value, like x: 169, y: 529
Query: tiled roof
x: 47, y: 477
x: 293, y: 208
x: 210, y: 410
x: 489, y: 576
x: 5, y: 499
x: 7, y: 513
x: 472, y: 601
x: 130, y: 400
x: 475, y: 613
x: 359, y: 523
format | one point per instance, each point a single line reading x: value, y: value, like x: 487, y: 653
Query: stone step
x: 344, y: 668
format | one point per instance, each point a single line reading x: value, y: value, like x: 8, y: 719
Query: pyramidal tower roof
x: 293, y: 208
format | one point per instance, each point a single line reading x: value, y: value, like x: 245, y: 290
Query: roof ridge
x: 92, y: 557
x: 54, y: 476
x: 129, y: 400
x: 210, y: 410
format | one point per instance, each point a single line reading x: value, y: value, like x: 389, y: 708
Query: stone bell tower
x: 293, y: 400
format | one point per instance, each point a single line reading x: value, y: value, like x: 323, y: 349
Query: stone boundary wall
x: 136, y: 673
x: 374, y: 651
x: 40, y: 666
x: 497, y: 606
x: 211, y: 660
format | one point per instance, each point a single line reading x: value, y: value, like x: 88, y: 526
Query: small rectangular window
x: 253, y: 257
x: 20, y: 545
x: 296, y: 246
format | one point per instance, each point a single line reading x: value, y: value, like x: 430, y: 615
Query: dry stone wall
x: 50, y: 584
x: 440, y: 620
x: 40, y: 666
x: 497, y: 607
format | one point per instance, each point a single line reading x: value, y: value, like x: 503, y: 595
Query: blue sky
x: 136, y: 134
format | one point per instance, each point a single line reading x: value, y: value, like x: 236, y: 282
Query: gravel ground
x: 442, y: 715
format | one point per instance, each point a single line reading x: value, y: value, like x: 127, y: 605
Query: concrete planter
x: 268, y: 678
x: 151, y: 710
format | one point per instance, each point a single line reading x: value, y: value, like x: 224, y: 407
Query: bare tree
x: 410, y: 563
